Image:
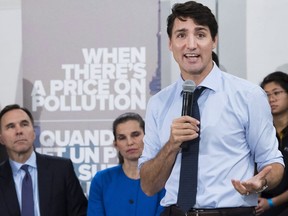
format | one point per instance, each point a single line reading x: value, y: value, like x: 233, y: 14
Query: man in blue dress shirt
x: 237, y: 132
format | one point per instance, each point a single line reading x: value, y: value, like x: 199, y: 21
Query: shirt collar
x: 17, y: 166
x: 211, y: 81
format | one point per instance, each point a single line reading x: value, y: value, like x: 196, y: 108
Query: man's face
x: 17, y: 133
x: 192, y: 47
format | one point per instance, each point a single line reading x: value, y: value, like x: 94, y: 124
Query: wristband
x: 270, y: 202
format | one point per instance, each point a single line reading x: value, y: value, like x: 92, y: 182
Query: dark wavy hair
x: 278, y: 77
x: 199, y: 13
x: 122, y: 119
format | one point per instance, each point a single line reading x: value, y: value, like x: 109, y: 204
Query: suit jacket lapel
x: 7, y: 188
x: 44, y: 183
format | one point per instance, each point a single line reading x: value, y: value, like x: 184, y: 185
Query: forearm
x: 280, y: 199
x: 275, y: 175
x: 155, y: 172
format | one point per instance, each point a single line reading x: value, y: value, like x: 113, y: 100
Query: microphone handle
x: 187, y: 103
x: 186, y: 110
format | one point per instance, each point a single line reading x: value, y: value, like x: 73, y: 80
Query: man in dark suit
x: 57, y: 191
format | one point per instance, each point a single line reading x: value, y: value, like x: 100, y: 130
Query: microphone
x: 189, y: 87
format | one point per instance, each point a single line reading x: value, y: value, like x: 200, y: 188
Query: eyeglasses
x: 275, y: 94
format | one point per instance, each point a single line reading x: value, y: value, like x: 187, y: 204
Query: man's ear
x: 170, y: 45
x: 34, y: 134
x: 215, y: 42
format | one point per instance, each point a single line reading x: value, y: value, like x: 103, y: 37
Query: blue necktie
x: 27, y: 193
x: 189, y: 164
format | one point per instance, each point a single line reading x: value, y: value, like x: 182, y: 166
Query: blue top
x: 236, y: 131
x: 112, y: 193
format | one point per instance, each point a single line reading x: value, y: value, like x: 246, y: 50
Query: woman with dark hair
x: 116, y: 190
x: 122, y: 119
x: 275, y: 201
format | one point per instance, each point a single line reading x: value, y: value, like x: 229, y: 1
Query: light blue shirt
x: 18, y: 175
x: 236, y: 131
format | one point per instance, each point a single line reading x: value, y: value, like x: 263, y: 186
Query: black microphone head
x: 189, y: 86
